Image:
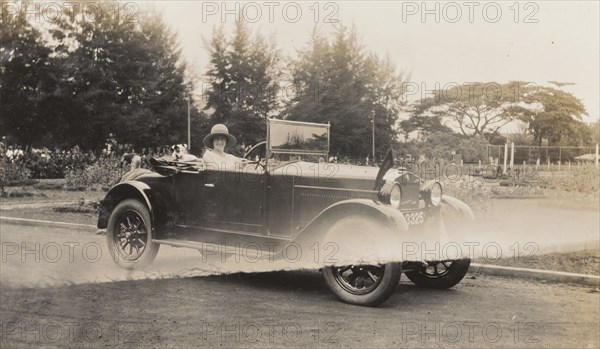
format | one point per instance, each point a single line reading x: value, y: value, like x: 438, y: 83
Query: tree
x: 127, y: 79
x: 336, y: 81
x: 554, y: 114
x: 26, y: 77
x: 242, y: 75
x: 425, y: 126
x: 472, y: 109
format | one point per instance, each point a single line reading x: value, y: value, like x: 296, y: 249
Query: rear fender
x: 123, y: 191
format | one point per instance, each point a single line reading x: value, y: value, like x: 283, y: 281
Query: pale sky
x: 551, y: 41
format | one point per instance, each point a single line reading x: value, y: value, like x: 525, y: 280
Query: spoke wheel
x: 440, y: 274
x: 437, y: 269
x: 129, y: 236
x: 367, y: 285
x: 359, y: 279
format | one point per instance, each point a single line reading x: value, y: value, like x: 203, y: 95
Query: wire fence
x: 543, y: 157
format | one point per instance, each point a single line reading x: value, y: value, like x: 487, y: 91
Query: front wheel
x: 367, y: 285
x: 440, y: 275
x: 129, y: 235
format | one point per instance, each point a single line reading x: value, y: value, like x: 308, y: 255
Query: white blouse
x: 222, y: 162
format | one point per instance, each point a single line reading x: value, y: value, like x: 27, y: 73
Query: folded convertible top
x: 167, y: 165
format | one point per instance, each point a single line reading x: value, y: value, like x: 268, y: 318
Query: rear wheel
x: 440, y: 275
x: 129, y: 235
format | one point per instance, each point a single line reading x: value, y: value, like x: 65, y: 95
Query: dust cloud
x: 46, y: 256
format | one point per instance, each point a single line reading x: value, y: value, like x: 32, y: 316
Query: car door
x: 190, y: 195
x: 233, y: 200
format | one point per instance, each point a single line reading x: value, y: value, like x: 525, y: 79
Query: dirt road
x: 80, y: 299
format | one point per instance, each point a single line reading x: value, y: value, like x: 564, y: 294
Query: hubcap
x: 130, y: 235
x: 359, y: 279
x: 437, y: 269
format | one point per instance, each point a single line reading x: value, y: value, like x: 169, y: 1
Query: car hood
x: 329, y: 174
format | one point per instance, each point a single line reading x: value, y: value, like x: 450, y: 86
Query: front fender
x: 122, y: 191
x: 317, y: 227
x: 459, y: 206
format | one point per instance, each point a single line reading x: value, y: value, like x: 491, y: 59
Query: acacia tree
x: 242, y: 77
x: 555, y: 115
x: 336, y: 81
x: 473, y: 109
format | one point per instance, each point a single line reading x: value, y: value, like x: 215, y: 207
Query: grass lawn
x: 581, y: 262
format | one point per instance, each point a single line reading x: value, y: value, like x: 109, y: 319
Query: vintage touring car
x: 277, y: 200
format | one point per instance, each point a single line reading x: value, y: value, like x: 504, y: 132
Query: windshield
x: 298, y: 139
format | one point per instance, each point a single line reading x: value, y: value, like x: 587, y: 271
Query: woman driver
x: 218, y: 141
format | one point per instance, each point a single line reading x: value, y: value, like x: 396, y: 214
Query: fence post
x: 512, y: 155
x: 505, y: 157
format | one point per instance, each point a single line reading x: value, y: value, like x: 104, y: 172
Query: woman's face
x: 219, y: 143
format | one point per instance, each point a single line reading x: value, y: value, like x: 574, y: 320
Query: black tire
x: 440, y: 275
x: 357, y: 277
x: 351, y: 283
x: 129, y: 235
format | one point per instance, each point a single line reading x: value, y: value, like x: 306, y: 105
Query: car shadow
x: 311, y: 282
x: 298, y: 280
x: 410, y: 296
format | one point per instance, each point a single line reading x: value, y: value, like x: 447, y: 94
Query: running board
x: 217, y: 248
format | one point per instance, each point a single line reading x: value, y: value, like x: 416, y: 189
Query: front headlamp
x: 396, y: 196
x: 431, y: 192
x: 436, y: 194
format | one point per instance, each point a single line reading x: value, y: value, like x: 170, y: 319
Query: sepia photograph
x: 299, y: 174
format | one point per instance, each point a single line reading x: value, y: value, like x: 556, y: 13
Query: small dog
x: 180, y: 153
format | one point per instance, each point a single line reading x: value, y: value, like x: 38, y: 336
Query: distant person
x: 2, y: 168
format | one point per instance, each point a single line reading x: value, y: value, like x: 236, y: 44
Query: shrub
x: 106, y: 171
x: 584, y: 179
x: 518, y: 191
x: 470, y: 191
x: 15, y: 172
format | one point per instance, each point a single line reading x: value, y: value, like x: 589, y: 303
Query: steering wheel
x: 259, y: 150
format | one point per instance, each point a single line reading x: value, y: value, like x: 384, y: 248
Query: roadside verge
x: 38, y: 222
x: 536, y: 274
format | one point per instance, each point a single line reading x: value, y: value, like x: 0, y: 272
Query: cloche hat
x: 219, y: 130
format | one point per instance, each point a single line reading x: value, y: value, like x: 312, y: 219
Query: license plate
x: 414, y: 218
